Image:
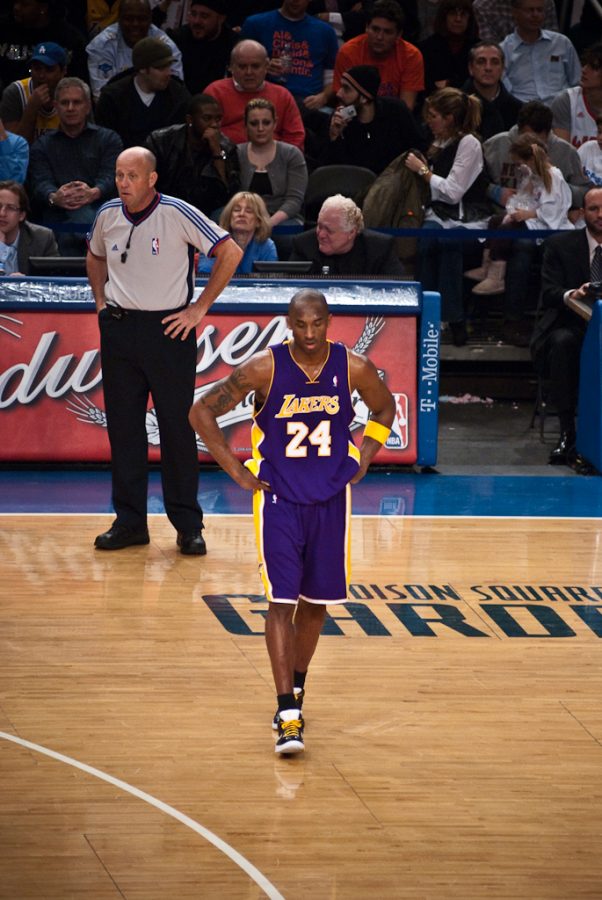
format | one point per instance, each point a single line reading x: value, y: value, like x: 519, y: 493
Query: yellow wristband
x: 376, y: 431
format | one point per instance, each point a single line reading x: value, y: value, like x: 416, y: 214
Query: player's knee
x: 280, y: 613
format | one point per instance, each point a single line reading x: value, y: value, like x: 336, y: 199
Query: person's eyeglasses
x: 9, y: 207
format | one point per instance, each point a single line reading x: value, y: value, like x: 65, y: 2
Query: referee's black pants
x: 137, y: 359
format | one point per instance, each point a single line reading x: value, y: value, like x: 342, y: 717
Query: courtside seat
x: 323, y: 182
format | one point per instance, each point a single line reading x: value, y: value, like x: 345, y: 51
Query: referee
x: 140, y: 267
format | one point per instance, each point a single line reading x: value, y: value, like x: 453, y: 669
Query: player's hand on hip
x: 180, y: 324
x: 248, y: 481
x: 359, y: 474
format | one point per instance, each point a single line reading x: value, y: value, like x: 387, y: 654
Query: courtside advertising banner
x: 51, y: 398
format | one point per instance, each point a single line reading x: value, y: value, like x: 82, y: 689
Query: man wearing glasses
x: 19, y: 239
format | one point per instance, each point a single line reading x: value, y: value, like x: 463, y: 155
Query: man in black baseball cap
x: 144, y: 98
x: 206, y: 43
x: 110, y: 52
x: 218, y: 6
x: 151, y: 53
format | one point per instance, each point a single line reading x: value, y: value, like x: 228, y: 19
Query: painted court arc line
x: 266, y: 886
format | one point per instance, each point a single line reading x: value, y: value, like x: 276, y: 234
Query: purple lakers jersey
x: 301, y: 440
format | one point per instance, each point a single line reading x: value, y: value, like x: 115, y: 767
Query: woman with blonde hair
x: 453, y: 168
x: 542, y: 200
x: 246, y: 218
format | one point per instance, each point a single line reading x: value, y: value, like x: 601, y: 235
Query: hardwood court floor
x: 454, y: 737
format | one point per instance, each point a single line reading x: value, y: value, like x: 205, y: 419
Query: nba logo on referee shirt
x: 155, y: 246
x: 398, y: 439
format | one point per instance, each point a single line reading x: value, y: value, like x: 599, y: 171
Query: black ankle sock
x: 286, y: 701
x: 299, y: 679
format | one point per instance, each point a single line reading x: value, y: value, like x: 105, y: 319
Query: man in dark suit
x: 19, y: 239
x: 571, y: 261
x: 338, y: 245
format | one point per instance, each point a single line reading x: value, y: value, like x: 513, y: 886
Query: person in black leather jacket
x: 195, y: 161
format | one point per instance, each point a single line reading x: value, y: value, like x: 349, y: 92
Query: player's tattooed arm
x: 227, y: 393
x: 220, y: 399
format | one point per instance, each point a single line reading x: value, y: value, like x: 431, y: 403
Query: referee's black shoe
x: 118, y: 537
x: 192, y: 543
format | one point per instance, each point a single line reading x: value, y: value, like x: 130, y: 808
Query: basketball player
x: 303, y: 463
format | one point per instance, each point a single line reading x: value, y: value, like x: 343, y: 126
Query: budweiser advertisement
x: 51, y: 398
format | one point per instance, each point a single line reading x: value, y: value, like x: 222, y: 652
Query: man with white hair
x: 339, y: 244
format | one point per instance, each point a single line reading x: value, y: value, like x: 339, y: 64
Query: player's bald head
x: 307, y: 297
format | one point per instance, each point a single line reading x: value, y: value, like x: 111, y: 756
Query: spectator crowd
x: 463, y: 114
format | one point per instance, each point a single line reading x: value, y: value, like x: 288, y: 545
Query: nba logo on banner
x: 398, y: 439
x: 155, y: 246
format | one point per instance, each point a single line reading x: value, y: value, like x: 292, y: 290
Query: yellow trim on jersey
x: 253, y: 466
x: 348, y: 372
x: 348, y: 539
x: 353, y: 451
x: 257, y: 433
x: 257, y: 438
x: 267, y: 393
x: 299, y: 366
x: 259, y: 499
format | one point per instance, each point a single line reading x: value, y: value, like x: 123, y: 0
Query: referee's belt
x: 115, y: 310
x: 119, y: 312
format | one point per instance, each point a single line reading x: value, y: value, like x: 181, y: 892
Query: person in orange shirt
x: 399, y: 63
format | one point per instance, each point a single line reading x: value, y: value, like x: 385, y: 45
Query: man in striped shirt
x: 140, y: 266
